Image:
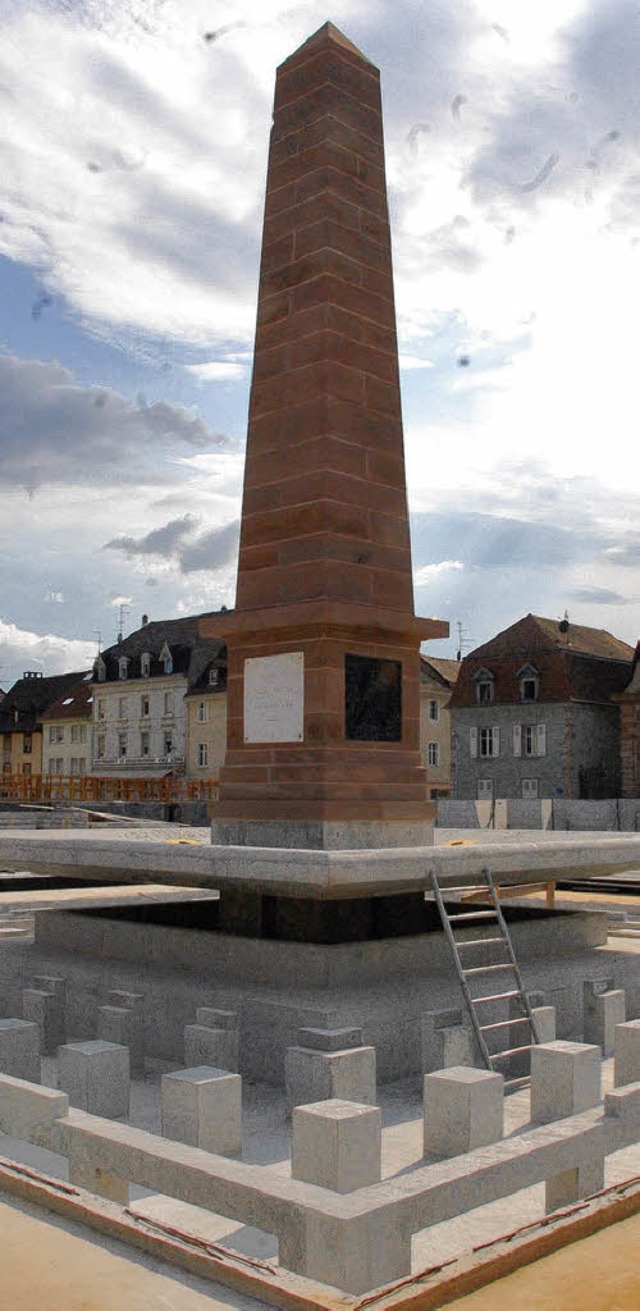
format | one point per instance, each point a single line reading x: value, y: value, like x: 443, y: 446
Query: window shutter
x: 542, y: 739
x: 496, y: 741
x: 473, y: 743
x: 517, y: 739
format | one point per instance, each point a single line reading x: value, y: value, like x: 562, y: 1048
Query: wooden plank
x: 131, y: 894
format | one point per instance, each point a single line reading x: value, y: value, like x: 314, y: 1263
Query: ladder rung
x: 498, y: 996
x: 463, y: 887
x: 486, y: 969
x: 473, y: 915
x: 479, y: 942
x: 512, y: 1051
x: 504, y: 1024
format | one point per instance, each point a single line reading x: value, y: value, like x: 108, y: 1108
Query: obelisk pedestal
x: 323, y: 644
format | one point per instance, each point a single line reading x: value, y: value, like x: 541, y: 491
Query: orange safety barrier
x: 44, y: 789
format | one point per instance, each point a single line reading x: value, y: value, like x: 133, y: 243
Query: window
x: 122, y: 707
x: 203, y: 755
x: 101, y: 708
x: 122, y: 667
x: 433, y: 753
x: 434, y: 711
x: 144, y: 745
x: 168, y: 744
x: 56, y: 765
x: 529, y: 739
x: 122, y: 746
x: 167, y: 662
x: 529, y: 789
x: 168, y: 703
x: 56, y: 733
x: 100, y: 746
x: 484, y: 742
x: 485, y: 789
x: 528, y: 683
x: 144, y: 706
x: 145, y: 665
x: 214, y: 677
x: 484, y: 687
x: 78, y: 765
x: 26, y: 769
x: 78, y: 732
x: 202, y: 713
x: 27, y: 744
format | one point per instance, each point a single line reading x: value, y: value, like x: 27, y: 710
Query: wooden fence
x: 47, y: 788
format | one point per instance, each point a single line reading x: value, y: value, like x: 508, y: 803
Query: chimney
x: 145, y: 620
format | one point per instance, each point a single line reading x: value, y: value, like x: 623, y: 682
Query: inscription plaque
x: 274, y: 698
x: 373, y: 699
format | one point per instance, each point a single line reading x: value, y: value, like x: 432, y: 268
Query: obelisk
x: 323, y: 644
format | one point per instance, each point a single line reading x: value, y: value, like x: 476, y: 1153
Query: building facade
x: 206, y: 703
x: 67, y: 731
x: 139, y: 708
x: 534, y: 713
x: 629, y: 703
x: 21, y: 712
x: 437, y: 680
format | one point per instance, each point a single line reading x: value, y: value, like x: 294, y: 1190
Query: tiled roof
x: 181, y: 636
x: 76, y: 702
x: 535, y: 634
x: 30, y: 697
x: 445, y: 671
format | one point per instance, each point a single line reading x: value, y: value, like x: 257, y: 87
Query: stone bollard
x: 580, y: 1181
x: 124, y: 1026
x: 463, y: 1109
x: 128, y: 1001
x: 328, y: 1064
x: 203, y: 1107
x: 445, y: 1041
x: 44, y: 1009
x: 337, y: 1144
x: 213, y: 1040
x: 603, y: 1008
x: 95, y: 1076
x: 20, y: 1050
x: 565, y: 1079
x: 545, y: 1018
x: 626, y: 1048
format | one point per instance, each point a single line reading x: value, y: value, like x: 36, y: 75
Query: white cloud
x: 428, y: 572
x: 217, y: 371
x: 21, y: 649
x: 409, y: 362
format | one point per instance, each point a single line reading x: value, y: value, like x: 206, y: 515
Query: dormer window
x: 167, y: 659
x: 122, y: 667
x: 214, y: 677
x: 145, y: 665
x: 484, y: 682
x: 528, y: 683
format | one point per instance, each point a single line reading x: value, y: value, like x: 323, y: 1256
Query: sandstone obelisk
x: 323, y: 644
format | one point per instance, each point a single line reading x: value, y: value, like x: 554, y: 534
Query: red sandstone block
x: 306, y: 211
x: 386, y: 467
x: 276, y: 253
x: 272, y: 309
x: 322, y: 101
x: 326, y: 128
x: 389, y: 589
x: 277, y: 201
x: 351, y: 188
x: 366, y: 428
x: 328, y: 233
x: 377, y: 282
x: 330, y: 379
x: 389, y: 531
x: 381, y: 396
x: 326, y: 346
x: 359, y: 328
x: 325, y: 153
x: 334, y: 40
x: 298, y: 521
x: 374, y: 226
x: 327, y: 67
x: 349, y: 296
x: 326, y: 452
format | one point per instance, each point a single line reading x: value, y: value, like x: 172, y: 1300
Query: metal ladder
x: 497, y: 949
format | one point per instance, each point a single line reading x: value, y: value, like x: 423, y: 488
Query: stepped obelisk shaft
x: 324, y: 578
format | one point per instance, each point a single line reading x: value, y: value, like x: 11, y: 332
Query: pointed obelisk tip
x: 328, y: 35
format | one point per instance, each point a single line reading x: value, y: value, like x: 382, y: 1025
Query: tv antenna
x: 463, y: 640
x: 98, y: 634
x: 123, y: 611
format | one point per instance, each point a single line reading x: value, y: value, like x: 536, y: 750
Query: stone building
x: 67, y: 731
x: 206, y: 702
x: 534, y: 714
x: 629, y: 703
x: 139, y: 707
x: 437, y: 681
x: 21, y: 712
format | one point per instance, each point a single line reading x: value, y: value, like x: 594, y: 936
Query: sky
x: 132, y: 169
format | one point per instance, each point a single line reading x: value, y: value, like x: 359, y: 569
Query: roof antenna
x: 463, y: 640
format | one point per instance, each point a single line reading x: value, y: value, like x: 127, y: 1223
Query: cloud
x: 21, y: 649
x: 160, y: 541
x: 597, y: 596
x: 428, y: 572
x: 211, y: 551
x: 54, y: 431
x: 217, y: 371
x: 175, y: 542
